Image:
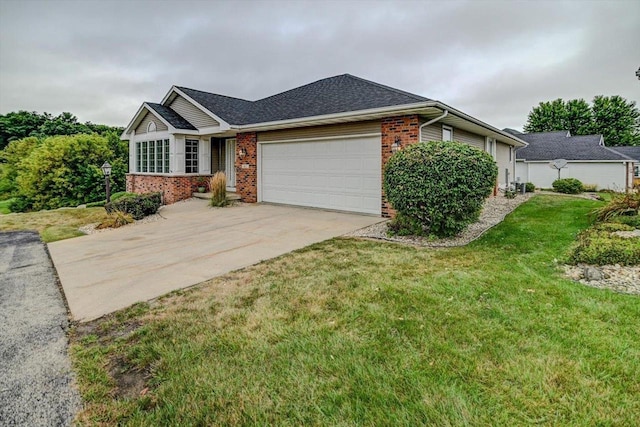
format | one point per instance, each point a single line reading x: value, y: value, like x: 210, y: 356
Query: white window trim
x: 165, y: 155
x: 152, y: 127
x: 197, y: 159
x: 450, y: 129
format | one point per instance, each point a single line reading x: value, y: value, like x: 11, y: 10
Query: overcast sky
x: 494, y: 60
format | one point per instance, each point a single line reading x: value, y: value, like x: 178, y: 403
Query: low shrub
x: 218, y: 188
x: 601, y: 247
x: 530, y: 187
x: 620, y: 205
x: 590, y: 187
x: 632, y: 221
x: 612, y: 226
x: 402, y: 225
x: 439, y: 185
x: 138, y: 206
x: 567, y: 186
x: 510, y: 194
x: 116, y: 219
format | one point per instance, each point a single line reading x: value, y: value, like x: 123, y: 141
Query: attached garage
x: 341, y: 173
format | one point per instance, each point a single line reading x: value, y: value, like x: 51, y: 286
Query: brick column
x: 404, y: 130
x: 247, y: 167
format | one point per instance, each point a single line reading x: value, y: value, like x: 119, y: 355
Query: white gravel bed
x: 625, y: 279
x: 495, y: 209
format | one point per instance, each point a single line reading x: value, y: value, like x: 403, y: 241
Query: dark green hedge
x: 137, y: 206
x: 568, y: 186
x: 440, y: 186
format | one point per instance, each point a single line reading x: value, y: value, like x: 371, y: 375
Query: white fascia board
x: 127, y: 130
x: 576, y: 161
x: 517, y: 141
x: 337, y: 117
x: 155, y: 114
x: 223, y: 124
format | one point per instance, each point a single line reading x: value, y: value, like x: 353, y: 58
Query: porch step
x: 230, y: 196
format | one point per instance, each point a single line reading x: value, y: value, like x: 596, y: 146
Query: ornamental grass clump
x: 218, y: 185
x: 620, y: 205
x: 116, y: 219
x: 438, y: 188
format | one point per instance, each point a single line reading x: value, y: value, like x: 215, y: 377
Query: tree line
x: 614, y: 117
x: 50, y: 161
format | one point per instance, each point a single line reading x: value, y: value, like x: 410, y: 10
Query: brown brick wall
x: 405, y: 130
x: 247, y: 167
x: 173, y: 188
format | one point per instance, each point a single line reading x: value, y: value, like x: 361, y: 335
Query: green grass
x: 5, y: 206
x: 352, y: 332
x: 53, y: 225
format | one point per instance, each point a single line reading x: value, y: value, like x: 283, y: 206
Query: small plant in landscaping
x: 530, y: 187
x: 218, y: 185
x: 440, y: 185
x: 116, y: 219
x: 202, y: 183
x: 567, y: 186
x: 598, y: 246
x: 510, y: 194
x: 590, y: 187
x: 620, y: 205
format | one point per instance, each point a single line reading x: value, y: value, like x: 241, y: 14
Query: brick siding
x: 247, y: 167
x: 403, y: 129
x: 173, y: 188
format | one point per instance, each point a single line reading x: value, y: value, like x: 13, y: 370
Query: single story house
x: 588, y: 159
x: 633, y: 153
x: 321, y: 145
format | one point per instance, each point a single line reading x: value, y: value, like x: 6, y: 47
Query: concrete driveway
x: 104, y: 272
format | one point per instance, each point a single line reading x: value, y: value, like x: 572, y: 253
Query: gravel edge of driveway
x: 37, y: 383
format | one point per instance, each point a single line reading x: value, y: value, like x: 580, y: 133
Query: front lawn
x: 353, y: 332
x: 53, y: 225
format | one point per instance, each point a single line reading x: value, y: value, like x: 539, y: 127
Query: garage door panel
x: 342, y: 174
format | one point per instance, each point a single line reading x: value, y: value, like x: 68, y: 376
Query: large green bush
x: 439, y: 185
x: 61, y: 170
x: 567, y: 186
x: 137, y: 206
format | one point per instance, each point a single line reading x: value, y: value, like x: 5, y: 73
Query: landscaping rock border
x: 624, y: 279
x: 495, y: 209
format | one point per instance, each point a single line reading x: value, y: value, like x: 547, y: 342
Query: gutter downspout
x: 430, y: 122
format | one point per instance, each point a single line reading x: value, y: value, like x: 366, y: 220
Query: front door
x: 230, y: 163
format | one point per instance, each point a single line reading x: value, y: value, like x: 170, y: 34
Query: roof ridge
x: 403, y: 92
x: 212, y: 93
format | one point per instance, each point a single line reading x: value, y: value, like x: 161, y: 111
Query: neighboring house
x: 321, y: 145
x: 633, y: 153
x: 587, y: 160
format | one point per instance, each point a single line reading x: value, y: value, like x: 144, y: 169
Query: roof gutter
x: 430, y: 122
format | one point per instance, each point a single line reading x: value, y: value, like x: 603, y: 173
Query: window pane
x: 166, y: 156
x: 144, y: 157
x: 138, y: 158
x: 191, y: 156
x: 152, y: 156
x: 446, y: 134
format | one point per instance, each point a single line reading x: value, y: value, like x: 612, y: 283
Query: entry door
x: 230, y: 166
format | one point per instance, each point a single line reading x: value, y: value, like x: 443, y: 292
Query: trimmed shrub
x: 439, y: 185
x: 632, y: 221
x: 137, y: 206
x: 114, y: 197
x: 620, y: 205
x: 567, y: 186
x: 218, y: 186
x: 530, y: 187
x: 600, y: 247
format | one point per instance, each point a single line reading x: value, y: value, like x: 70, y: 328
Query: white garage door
x: 342, y: 174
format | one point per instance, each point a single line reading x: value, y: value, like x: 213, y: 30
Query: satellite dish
x: 558, y: 164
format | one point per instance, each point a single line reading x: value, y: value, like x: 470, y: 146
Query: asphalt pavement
x: 36, y: 381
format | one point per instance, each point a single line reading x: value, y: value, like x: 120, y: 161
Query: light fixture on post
x: 396, y: 145
x: 242, y: 152
x: 106, y: 171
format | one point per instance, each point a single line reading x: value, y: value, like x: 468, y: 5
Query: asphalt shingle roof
x: 175, y: 119
x: 557, y: 145
x: 632, y: 152
x: 332, y: 95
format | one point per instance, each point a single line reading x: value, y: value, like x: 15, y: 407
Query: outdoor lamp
x: 396, y: 145
x: 242, y: 152
x: 106, y: 171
